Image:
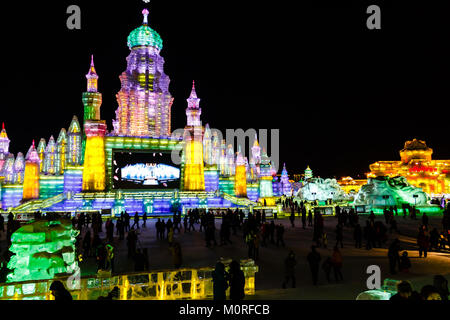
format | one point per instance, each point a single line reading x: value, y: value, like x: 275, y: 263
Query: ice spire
x: 145, y: 12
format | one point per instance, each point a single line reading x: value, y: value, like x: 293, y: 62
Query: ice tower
x: 31, y: 181
x: 144, y: 99
x: 95, y: 129
x: 4, y: 145
x: 194, y: 173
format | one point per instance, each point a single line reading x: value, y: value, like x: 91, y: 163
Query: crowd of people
x: 436, y: 291
x: 98, y: 239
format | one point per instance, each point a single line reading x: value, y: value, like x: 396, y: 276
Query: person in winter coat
x: 434, y: 239
x: 176, y: 255
x: 423, y: 242
x: 327, y: 265
x: 357, y: 236
x: 393, y: 255
x: 336, y: 261
x: 60, y: 292
x: 289, y: 266
x: 405, y: 292
x: 339, y: 235
x: 236, y: 282
x: 405, y: 263
x: 314, y: 263
x: 220, y: 283
x: 441, y: 285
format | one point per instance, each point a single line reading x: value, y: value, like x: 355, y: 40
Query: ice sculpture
x: 385, y: 191
x: 42, y: 250
x: 321, y: 189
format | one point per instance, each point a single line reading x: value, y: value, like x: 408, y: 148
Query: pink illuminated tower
x: 286, y: 187
x: 144, y: 99
x: 193, y: 110
x: 4, y: 145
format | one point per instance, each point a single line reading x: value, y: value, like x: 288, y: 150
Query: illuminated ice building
x: 139, y: 164
x: 417, y: 166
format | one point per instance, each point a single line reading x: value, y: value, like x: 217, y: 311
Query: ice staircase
x: 239, y: 201
x: 36, y: 205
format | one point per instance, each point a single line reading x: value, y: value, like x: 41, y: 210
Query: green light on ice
x: 42, y: 250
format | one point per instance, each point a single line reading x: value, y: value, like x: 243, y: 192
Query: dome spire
x: 145, y: 12
x: 144, y: 35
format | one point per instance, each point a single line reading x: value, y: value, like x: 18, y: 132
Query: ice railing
x: 155, y: 285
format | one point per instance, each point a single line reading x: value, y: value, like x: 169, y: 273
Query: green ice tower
x: 92, y: 99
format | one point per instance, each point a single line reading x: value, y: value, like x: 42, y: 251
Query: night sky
x: 342, y: 96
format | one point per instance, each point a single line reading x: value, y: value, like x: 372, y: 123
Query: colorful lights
x: 75, y: 172
x: 92, y: 100
x: 144, y: 100
x: 144, y: 35
x: 74, y: 143
x: 286, y: 187
x: 265, y: 182
x: 240, y: 177
x: 94, y: 158
x: 194, y: 178
x: 61, y: 152
x: 50, y: 157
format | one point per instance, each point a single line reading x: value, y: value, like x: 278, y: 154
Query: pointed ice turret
x: 41, y: 152
x: 265, y: 180
x: 223, y: 157
x: 286, y: 187
x: 240, y: 161
x: 50, y: 157
x: 230, y: 161
x: 207, y: 146
x: 4, y: 142
x: 256, y: 152
x: 215, y: 149
x: 74, y: 143
x: 92, y: 77
x: 19, y: 168
x: 92, y: 99
x: 193, y: 110
x: 32, y: 155
x: 308, y: 173
x: 8, y: 169
x: 61, y: 151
